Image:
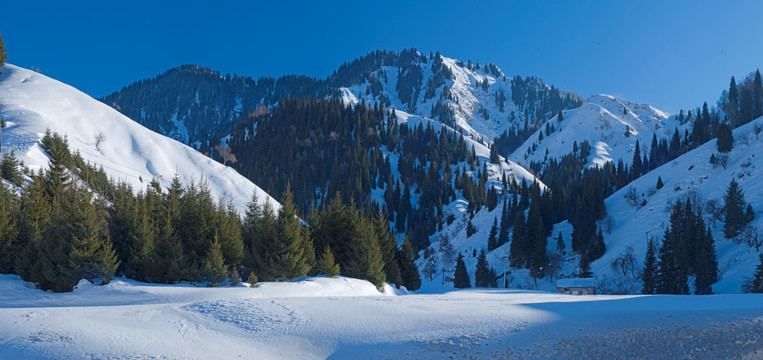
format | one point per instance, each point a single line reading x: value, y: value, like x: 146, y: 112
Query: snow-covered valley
x: 341, y: 318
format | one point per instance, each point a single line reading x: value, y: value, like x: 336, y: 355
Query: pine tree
x: 326, y: 264
x: 8, y: 229
x: 584, y: 267
x: 733, y: 204
x: 503, y: 234
x: 757, y: 97
x: 756, y: 283
x: 289, y: 260
x: 9, y: 168
x: 660, y: 184
x: 518, y: 240
x: 461, y: 277
x: 408, y: 270
x: 650, y: 269
x: 3, y: 54
x: 215, y: 270
x: 470, y: 229
x: 725, y: 138
x: 560, y: 243
x: 636, y: 170
x: 388, y: 248
x: 706, y: 262
x: 482, y: 271
x: 492, y: 240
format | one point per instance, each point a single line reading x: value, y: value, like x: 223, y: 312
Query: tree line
x: 58, y: 228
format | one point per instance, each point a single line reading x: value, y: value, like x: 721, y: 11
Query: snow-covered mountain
x: 689, y: 174
x: 31, y: 103
x: 610, y: 125
x: 479, y: 99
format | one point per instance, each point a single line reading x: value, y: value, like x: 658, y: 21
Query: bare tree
x: 608, y: 223
x: 750, y: 236
x: 99, y: 139
x: 625, y: 262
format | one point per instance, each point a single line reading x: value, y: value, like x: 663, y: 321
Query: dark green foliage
x: 650, y: 269
x: 755, y: 285
x: 584, y: 267
x: 492, y: 239
x: 482, y: 276
x: 215, y: 271
x: 470, y: 228
x: 734, y: 204
x: 326, y: 264
x: 9, y: 168
x: 725, y: 138
x: 252, y: 279
x: 9, y: 209
x: 687, y: 249
x: 660, y: 184
x: 408, y: 270
x: 461, y: 277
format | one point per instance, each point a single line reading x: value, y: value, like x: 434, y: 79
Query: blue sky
x: 669, y: 54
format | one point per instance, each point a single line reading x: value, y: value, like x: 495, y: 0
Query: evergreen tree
x: 8, y: 229
x: 9, y: 168
x: 289, y: 260
x: 388, y: 248
x: 560, y: 243
x: 492, y: 240
x: 732, y: 109
x: 470, y: 229
x: 706, y: 262
x: 408, y: 269
x: 650, y: 269
x: 636, y: 170
x: 757, y: 97
x: 725, y: 138
x: 503, y: 234
x: 755, y: 285
x: 326, y: 264
x: 461, y: 277
x: 733, y: 205
x: 584, y: 267
x: 482, y: 271
x: 215, y: 270
x: 518, y: 241
x: 660, y: 184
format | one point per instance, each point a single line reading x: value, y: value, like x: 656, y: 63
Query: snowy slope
x: 479, y: 96
x: 692, y: 173
x: 602, y: 120
x: 30, y: 103
x: 348, y: 319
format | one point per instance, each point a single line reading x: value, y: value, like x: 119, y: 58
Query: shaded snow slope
x: 602, y: 121
x: 30, y: 103
x: 692, y: 173
x: 342, y: 318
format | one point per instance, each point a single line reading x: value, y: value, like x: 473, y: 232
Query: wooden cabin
x: 576, y: 286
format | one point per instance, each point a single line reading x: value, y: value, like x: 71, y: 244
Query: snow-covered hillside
x: 340, y: 318
x: 30, y: 103
x: 692, y: 173
x: 611, y: 126
x: 479, y: 97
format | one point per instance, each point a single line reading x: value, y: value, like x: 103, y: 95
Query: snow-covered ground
x: 30, y: 103
x: 339, y: 318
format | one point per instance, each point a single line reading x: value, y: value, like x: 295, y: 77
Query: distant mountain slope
x: 692, y: 173
x: 610, y: 125
x: 198, y: 106
x: 30, y: 103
